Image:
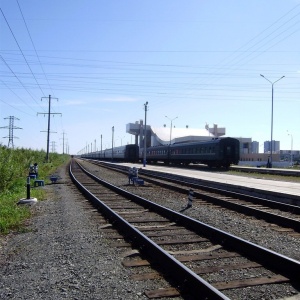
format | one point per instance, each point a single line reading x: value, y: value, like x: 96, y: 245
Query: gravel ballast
x: 66, y: 255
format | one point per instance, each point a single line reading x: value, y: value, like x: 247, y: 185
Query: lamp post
x: 291, y: 148
x: 272, y: 83
x: 171, y: 127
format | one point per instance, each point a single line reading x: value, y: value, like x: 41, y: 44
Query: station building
x: 249, y: 150
x: 157, y: 136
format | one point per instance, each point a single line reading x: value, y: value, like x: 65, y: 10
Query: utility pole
x: 145, y: 133
x: 48, y: 130
x: 53, y: 147
x: 63, y: 142
x: 112, y: 143
x: 11, y: 128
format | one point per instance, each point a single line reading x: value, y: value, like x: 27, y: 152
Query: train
x: 217, y: 152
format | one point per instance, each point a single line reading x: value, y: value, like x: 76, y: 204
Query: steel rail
x: 267, y: 216
x: 192, y: 283
x: 273, y: 204
x: 284, y: 265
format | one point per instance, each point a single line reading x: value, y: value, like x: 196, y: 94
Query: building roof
x: 161, y: 135
x: 179, y: 134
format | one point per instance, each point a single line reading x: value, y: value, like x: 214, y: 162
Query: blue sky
x: 103, y: 60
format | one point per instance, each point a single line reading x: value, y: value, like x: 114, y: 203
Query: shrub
x: 14, y: 168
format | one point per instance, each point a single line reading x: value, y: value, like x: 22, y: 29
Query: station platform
x: 286, y: 191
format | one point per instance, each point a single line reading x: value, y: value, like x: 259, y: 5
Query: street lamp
x: 272, y: 83
x: 291, y: 148
x: 171, y: 127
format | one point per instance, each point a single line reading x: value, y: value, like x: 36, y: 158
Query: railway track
x: 201, y: 260
x: 284, y: 215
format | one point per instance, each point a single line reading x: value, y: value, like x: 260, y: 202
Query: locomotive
x: 217, y: 152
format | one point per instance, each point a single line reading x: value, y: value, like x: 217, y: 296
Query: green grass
x: 14, y: 167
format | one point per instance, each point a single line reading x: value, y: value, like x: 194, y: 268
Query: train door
x: 231, y: 152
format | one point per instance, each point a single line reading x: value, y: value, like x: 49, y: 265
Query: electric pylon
x: 11, y: 128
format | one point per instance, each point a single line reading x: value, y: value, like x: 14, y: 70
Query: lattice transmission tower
x: 11, y: 128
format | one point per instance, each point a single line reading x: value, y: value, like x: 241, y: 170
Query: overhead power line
x: 34, y: 46
x: 21, y: 51
x: 18, y: 79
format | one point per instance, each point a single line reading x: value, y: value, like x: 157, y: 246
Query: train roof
x: 211, y: 141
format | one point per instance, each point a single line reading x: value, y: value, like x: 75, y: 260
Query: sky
x: 101, y: 61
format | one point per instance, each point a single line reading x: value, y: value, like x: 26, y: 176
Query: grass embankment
x: 14, y: 168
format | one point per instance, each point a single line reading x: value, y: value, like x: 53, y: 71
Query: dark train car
x: 214, y: 153
x: 127, y: 153
x: 132, y: 153
x: 156, y: 154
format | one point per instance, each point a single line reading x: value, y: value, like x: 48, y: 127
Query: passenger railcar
x: 220, y: 152
x: 214, y: 153
x: 127, y: 153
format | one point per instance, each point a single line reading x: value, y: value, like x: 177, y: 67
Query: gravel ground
x: 66, y: 255
x: 248, y: 228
